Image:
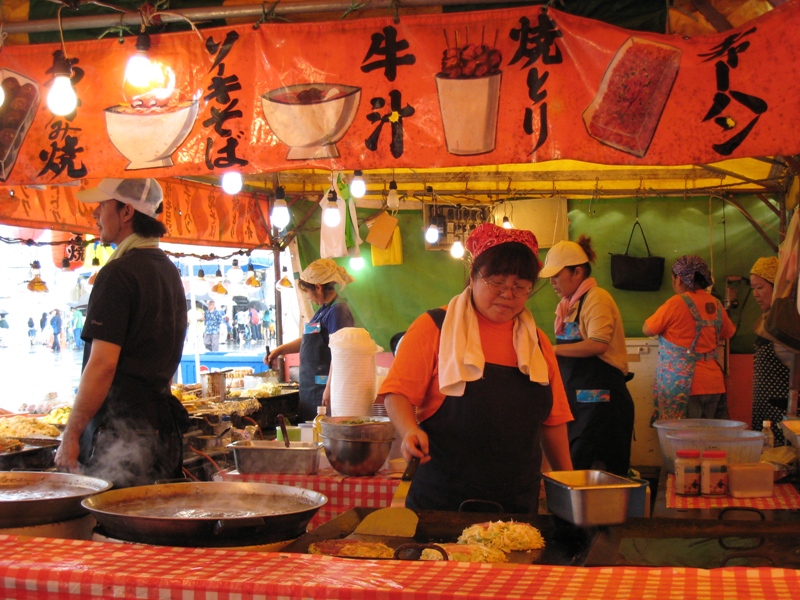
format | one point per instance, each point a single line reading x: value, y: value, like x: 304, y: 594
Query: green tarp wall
x: 386, y: 299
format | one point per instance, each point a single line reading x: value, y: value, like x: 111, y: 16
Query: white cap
x: 144, y: 195
x: 563, y: 254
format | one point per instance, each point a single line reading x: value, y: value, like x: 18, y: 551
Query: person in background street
x: 318, y: 280
x: 77, y: 327
x: 255, y: 325
x: 3, y: 329
x: 55, y: 323
x: 771, y: 360
x: 689, y: 326
x: 475, y: 391
x: 593, y: 360
x: 213, y: 318
x: 126, y: 426
x: 31, y: 330
x: 42, y: 326
x: 243, y: 332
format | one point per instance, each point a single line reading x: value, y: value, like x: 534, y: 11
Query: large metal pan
x: 208, y: 514
x: 30, y: 498
x: 36, y: 454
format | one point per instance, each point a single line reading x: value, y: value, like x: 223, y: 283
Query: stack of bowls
x: 699, y: 428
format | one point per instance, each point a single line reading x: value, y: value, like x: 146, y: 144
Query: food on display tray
x: 58, y: 416
x: 20, y: 426
x: 351, y: 549
x: 10, y: 445
x: 466, y: 553
x: 507, y: 536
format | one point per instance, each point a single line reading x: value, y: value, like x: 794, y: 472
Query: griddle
x: 565, y: 544
x: 35, y: 454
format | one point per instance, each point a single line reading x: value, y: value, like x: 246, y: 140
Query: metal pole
x: 200, y: 14
x: 794, y: 377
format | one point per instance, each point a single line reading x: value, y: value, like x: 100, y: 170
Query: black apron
x: 315, y: 365
x: 485, y: 445
x: 135, y: 438
x: 600, y: 435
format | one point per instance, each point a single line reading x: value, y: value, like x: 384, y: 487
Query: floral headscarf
x: 689, y: 265
x: 766, y: 268
x: 325, y: 270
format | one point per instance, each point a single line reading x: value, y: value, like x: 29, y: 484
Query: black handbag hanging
x: 637, y: 273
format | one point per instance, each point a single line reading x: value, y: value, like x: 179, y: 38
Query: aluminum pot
x: 29, y: 498
x: 356, y: 457
x: 206, y: 514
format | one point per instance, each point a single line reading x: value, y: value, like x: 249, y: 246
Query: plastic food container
x: 791, y: 430
x: 740, y: 446
x: 588, y: 498
x: 673, y: 425
x: 256, y: 456
x: 751, y: 480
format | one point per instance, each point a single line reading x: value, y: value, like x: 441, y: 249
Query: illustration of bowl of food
x: 311, y: 117
x: 469, y: 96
x: 152, y: 124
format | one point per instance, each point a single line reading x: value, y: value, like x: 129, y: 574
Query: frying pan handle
x: 477, y: 501
x: 225, y: 525
x: 405, y: 549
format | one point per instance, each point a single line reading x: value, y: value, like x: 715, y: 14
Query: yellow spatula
x: 396, y: 521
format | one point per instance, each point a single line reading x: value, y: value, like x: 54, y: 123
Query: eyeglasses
x: 499, y: 287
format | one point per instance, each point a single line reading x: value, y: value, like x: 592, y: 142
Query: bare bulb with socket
x: 331, y: 216
x: 232, y: 182
x: 61, y: 99
x: 432, y: 234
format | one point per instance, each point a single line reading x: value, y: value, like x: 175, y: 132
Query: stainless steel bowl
x: 356, y: 457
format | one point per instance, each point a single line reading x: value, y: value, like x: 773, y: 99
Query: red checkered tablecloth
x: 343, y: 492
x: 784, y: 497
x: 42, y: 568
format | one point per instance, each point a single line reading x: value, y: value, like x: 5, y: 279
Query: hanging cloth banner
x: 508, y: 86
x: 193, y: 213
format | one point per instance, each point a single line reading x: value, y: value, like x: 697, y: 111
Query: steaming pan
x: 205, y: 514
x: 30, y: 498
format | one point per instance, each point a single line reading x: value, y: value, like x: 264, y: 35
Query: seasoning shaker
x: 687, y: 472
x: 714, y: 473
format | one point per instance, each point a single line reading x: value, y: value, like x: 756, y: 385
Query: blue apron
x: 675, y: 369
x: 486, y: 444
x: 600, y: 436
x: 315, y: 364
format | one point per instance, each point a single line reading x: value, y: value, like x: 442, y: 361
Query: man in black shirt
x: 125, y: 425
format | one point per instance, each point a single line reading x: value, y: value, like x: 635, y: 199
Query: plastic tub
x: 751, y: 480
x: 740, y: 446
x: 670, y: 426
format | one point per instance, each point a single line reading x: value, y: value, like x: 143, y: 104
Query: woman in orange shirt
x: 475, y: 391
x: 689, y: 380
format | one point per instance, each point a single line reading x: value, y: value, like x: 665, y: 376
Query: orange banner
x: 496, y: 87
x: 193, y: 213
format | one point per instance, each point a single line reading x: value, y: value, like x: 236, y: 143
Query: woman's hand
x: 415, y: 443
x: 67, y: 456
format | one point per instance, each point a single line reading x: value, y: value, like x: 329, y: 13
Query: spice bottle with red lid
x: 714, y: 473
x: 687, y: 472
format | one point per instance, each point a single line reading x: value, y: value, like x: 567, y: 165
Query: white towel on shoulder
x: 461, y: 356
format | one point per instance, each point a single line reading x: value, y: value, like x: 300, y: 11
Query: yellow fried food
x: 19, y: 426
x: 503, y: 535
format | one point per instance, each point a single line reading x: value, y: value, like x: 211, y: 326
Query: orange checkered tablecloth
x: 784, y: 497
x: 343, y: 492
x: 42, y: 568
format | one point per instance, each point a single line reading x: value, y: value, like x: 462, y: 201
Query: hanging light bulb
x: 432, y: 232
x: 331, y: 216
x: 61, y: 99
x: 280, y: 211
x: 36, y: 284
x: 357, y: 185
x: 218, y: 288
x: 252, y: 280
x: 137, y: 72
x: 392, y: 198
x: 357, y: 263
x: 457, y: 249
x: 2, y: 96
x: 232, y: 182
x: 235, y: 273
x: 284, y: 284
x: 507, y: 223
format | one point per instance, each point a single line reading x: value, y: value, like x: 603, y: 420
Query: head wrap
x: 689, y: 265
x: 766, y: 268
x: 325, y: 270
x: 488, y: 235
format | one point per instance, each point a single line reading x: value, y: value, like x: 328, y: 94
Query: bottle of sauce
x: 769, y: 437
x: 321, y: 413
x: 687, y: 472
x: 714, y: 473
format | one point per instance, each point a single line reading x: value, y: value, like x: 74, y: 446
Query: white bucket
x: 353, y: 386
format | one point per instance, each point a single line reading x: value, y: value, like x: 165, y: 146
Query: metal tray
x: 588, y: 498
x: 300, y: 458
x: 36, y: 454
